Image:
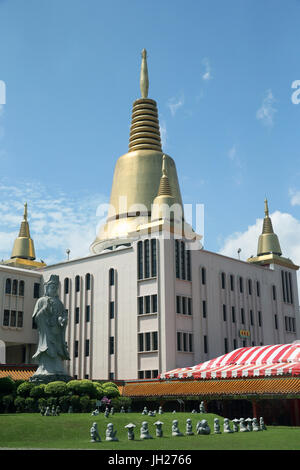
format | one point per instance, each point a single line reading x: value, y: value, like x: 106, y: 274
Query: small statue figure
x: 158, y: 430
x: 194, y: 412
x: 130, y: 428
x: 144, y: 432
x: 110, y: 433
x: 243, y: 426
x: 42, y: 411
x: 47, y: 411
x: 202, y: 427
x: 235, y: 422
x: 189, y: 427
x: 129, y: 409
x: 217, y: 426
x: 226, y: 426
x: 160, y: 410
x: 255, y: 425
x: 175, y: 429
x: 262, y: 424
x: 202, y: 407
x: 145, y: 411
x: 70, y: 410
x: 249, y: 424
x: 95, y: 436
x: 122, y: 410
x: 53, y: 411
x: 57, y: 411
x: 174, y: 412
x: 106, y: 412
x: 95, y: 413
x: 112, y: 411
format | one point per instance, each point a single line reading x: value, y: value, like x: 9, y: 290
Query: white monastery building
x: 149, y: 298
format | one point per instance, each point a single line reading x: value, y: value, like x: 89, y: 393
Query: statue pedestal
x: 46, y: 378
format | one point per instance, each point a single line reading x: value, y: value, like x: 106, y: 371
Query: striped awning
x: 252, y: 361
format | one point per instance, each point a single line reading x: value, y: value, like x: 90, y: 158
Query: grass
x: 72, y: 431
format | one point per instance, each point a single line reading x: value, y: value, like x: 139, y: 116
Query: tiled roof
x: 17, y: 372
x: 223, y: 387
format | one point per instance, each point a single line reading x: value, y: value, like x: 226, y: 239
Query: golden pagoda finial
x: 164, y: 186
x: 24, y: 247
x: 266, y: 208
x: 268, y: 241
x: 144, y: 80
x: 25, y: 211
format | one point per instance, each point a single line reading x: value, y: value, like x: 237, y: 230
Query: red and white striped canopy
x: 255, y: 361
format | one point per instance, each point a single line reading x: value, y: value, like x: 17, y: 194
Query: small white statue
x: 144, y: 431
x: 151, y: 413
x: 202, y: 407
x: 217, y: 426
x: 243, y: 426
x: 47, y: 411
x: 262, y: 424
x: 175, y: 428
x: 255, y: 425
x: 249, y: 424
x: 235, y: 423
x: 189, y: 427
x: 110, y: 433
x: 53, y: 411
x: 112, y: 411
x: 194, y: 412
x: 145, y: 411
x: 158, y: 429
x: 95, y: 413
x: 174, y: 412
x: 160, y: 410
x: 106, y: 412
x: 226, y: 426
x: 95, y: 437
x: 122, y: 410
x: 130, y: 428
x: 202, y: 427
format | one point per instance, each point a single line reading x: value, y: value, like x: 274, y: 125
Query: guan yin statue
x: 51, y: 319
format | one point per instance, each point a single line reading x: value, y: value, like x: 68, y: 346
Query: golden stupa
x: 137, y: 174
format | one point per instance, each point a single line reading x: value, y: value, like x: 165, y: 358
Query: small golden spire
x: 164, y: 186
x: 24, y: 246
x: 144, y: 80
x: 268, y: 241
x: 25, y: 211
x: 266, y: 208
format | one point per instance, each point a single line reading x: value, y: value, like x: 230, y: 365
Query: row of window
x: 184, y: 341
x: 287, y: 287
x: 242, y: 315
x: 147, y: 258
x: 147, y: 304
x: 182, y: 261
x: 183, y: 305
x: 86, y: 348
x: 240, y: 284
x: 13, y: 318
x: 148, y: 341
x: 15, y: 287
x: 87, y: 314
x: 147, y: 374
x: 289, y: 323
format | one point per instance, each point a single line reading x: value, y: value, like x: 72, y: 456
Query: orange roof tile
x: 17, y: 372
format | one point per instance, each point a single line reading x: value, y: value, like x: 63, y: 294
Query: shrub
x: 75, y: 402
x: 64, y: 403
x: 82, y: 387
x: 42, y: 403
x: 7, y: 385
x: 111, y: 392
x: 24, y: 389
x: 85, y: 404
x: 106, y: 385
x: 30, y: 404
x: 116, y: 403
x: 19, y: 403
x: 38, y: 391
x: 99, y: 390
x: 56, y: 389
x: 51, y: 401
x: 7, y: 401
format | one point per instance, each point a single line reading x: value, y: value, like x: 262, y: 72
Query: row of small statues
x: 202, y: 427
x: 109, y: 412
x: 54, y: 411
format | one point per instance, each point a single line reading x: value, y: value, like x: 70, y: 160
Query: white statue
x: 130, y: 428
x: 202, y: 407
x: 243, y: 426
x: 189, y: 427
x: 95, y: 413
x: 235, y: 425
x: 175, y: 428
x: 47, y: 411
x: 160, y: 410
x: 51, y: 319
x: 122, y: 410
x: 217, y: 426
x: 158, y: 430
x: 106, y: 412
x: 262, y: 424
x: 145, y: 411
x: 202, y: 427
x: 249, y: 423
x: 255, y: 425
x: 226, y: 426
x: 144, y: 431
x: 95, y: 437
x: 110, y: 433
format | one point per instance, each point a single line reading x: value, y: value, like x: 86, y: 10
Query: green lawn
x: 72, y: 431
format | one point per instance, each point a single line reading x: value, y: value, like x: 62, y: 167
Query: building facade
x: 149, y: 298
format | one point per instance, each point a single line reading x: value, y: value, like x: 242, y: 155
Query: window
x: 223, y: 280
x: 20, y: 320
x: 258, y: 288
x: 274, y: 292
x: 204, y: 308
x: 76, y: 348
x: 154, y: 303
x: 15, y: 287
x: 154, y: 374
x: 276, y: 322
x: 203, y: 276
x: 148, y: 342
x: 189, y: 306
x: 249, y: 287
x: 6, y: 318
x: 291, y: 287
x: 147, y: 304
x: 66, y: 285
x: 111, y: 309
x: 87, y: 347
x: 190, y: 342
x: 88, y: 281
x: 177, y: 261
x: 259, y: 318
x: 182, y: 247
x: 13, y: 318
x: 141, y: 342
x: 21, y: 288
x: 111, y: 277
x: 233, y: 314
x: 178, y: 304
x: 184, y: 335
x: 224, y: 312
x: 178, y: 341
x: 77, y: 315
x: 188, y: 265
x: 140, y: 260
x: 140, y: 305
x: 226, y: 345
x: 141, y: 374
x: 205, y: 344
x: 283, y: 286
x: 8, y: 286
x: 251, y: 317
x: 184, y: 305
x: 153, y: 257
x: 87, y: 313
x: 111, y: 345
x: 231, y: 282
x: 241, y: 285
x: 147, y: 258
x: 242, y: 316
x: 77, y: 283
x: 154, y: 341
x: 148, y: 374
x: 234, y: 344
x: 36, y: 290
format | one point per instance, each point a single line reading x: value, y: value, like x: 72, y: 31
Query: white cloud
x: 266, y: 112
x: 57, y: 222
x: 174, y: 104
x: 163, y: 134
x: 207, y: 69
x: 295, y: 197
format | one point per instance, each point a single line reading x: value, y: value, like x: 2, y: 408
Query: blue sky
x: 221, y: 73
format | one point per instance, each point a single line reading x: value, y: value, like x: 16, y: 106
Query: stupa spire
x: 144, y: 79
x: 24, y: 247
x: 268, y: 241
